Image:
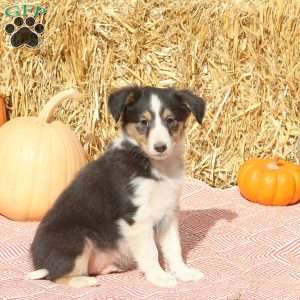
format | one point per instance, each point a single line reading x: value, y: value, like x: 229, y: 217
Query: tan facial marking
x: 179, y: 133
x: 147, y: 115
x: 166, y: 113
x: 132, y: 132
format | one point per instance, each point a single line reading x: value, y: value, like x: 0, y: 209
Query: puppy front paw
x: 162, y: 279
x: 83, y: 281
x: 186, y: 273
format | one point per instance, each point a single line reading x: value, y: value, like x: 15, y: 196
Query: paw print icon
x: 24, y: 33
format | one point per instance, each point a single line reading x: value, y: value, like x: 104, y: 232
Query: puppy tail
x: 38, y: 274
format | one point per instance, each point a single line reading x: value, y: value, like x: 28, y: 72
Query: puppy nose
x: 160, y: 147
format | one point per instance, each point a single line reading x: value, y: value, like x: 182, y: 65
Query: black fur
x: 101, y: 194
x: 89, y: 207
x: 194, y: 103
x: 123, y: 103
x: 118, y: 100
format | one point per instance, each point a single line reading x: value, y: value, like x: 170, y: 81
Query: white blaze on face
x: 159, y: 134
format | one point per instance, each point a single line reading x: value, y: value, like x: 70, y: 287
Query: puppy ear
x: 119, y: 99
x: 196, y: 105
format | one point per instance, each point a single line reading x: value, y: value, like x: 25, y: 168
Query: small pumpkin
x: 2, y: 111
x: 38, y: 159
x: 270, y: 181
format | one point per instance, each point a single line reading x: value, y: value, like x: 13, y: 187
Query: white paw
x: 162, y: 279
x: 83, y: 281
x: 188, y: 274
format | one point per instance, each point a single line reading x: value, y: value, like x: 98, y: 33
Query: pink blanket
x: 246, y: 251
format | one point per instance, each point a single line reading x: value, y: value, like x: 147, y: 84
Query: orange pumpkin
x: 2, y: 111
x: 270, y: 181
x: 37, y: 161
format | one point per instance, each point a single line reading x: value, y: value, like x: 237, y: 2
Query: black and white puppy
x: 113, y: 213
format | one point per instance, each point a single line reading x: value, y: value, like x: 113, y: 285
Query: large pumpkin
x: 270, y: 181
x: 37, y: 161
x: 2, y: 111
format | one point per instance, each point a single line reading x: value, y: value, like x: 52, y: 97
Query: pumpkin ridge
x: 79, y: 154
x: 243, y: 170
x: 67, y: 159
x: 257, y: 187
x: 283, y: 174
x: 34, y: 167
x: 21, y: 213
x: 276, y: 174
x: 296, y: 177
x: 53, y: 136
x: 58, y: 137
x: 70, y: 161
x: 275, y: 189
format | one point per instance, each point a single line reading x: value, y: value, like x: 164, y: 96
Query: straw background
x: 243, y: 57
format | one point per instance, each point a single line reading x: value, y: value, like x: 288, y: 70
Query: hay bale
x: 242, y: 56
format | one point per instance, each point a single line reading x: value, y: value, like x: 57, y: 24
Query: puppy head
x: 155, y: 117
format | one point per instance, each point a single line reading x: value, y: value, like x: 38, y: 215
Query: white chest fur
x: 155, y: 199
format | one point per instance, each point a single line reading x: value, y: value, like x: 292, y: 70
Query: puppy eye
x: 144, y: 123
x: 171, y: 121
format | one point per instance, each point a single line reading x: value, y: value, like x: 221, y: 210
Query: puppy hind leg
x: 77, y: 281
x: 111, y: 269
x: 78, y: 277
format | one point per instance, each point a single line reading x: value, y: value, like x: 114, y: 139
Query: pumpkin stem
x: 276, y: 159
x: 48, y: 109
x: 275, y: 164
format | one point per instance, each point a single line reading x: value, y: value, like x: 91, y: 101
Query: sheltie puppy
x: 120, y: 206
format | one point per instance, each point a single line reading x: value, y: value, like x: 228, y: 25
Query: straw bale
x: 242, y: 56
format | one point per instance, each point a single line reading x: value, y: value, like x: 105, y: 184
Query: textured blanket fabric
x: 246, y: 251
